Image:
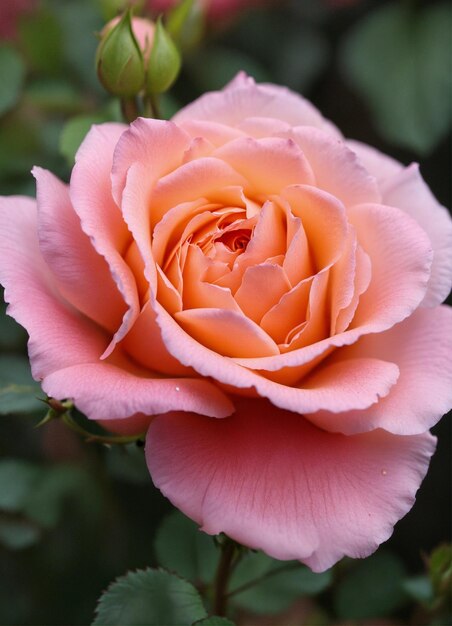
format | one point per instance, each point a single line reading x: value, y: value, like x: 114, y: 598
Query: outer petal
x: 376, y: 163
x: 421, y: 347
x: 59, y: 335
x: 272, y: 481
x: 100, y: 217
x: 242, y: 98
x: 106, y: 392
x: 337, y: 387
x: 83, y: 276
x: 408, y: 191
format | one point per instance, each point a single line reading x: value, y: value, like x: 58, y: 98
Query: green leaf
x: 54, y: 96
x: 127, y: 463
x: 12, y: 71
x: 74, y: 132
x: 302, y: 57
x: 147, y: 598
x: 398, y: 59
x: 372, y: 588
x: 41, y: 40
x: 79, y: 22
x: 18, y: 534
x: 419, y: 588
x: 214, y: 621
x: 215, y: 66
x: 182, y: 548
x: 44, y: 504
x: 441, y: 566
x: 18, y: 479
x: 278, y: 584
x: 18, y: 391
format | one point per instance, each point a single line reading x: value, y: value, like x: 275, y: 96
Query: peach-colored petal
x: 242, y: 99
x: 144, y: 344
x: 401, y: 255
x: 272, y: 481
x: 59, y: 335
x: 200, y: 294
x: 215, y: 133
x: 297, y: 262
x: 336, y: 168
x: 148, y: 150
x: 268, y: 241
x: 226, y: 332
x: 157, y: 145
x: 338, y: 387
x: 262, y: 287
x: 408, y: 191
x: 421, y: 347
x: 259, y: 127
x: 100, y: 216
x: 362, y: 278
x: 324, y: 222
x: 124, y: 394
x: 203, y: 178
x: 268, y: 164
x: 198, y: 148
x: 83, y: 276
x: 288, y: 313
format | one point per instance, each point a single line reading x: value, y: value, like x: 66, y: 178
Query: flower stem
x: 129, y: 109
x: 223, y: 574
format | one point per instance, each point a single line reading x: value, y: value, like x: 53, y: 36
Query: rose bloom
x: 259, y: 295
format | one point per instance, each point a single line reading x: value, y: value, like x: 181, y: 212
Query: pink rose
x: 263, y: 298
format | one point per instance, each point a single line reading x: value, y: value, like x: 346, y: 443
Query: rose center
x: 235, y: 240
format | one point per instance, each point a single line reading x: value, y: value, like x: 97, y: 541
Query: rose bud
x: 164, y: 62
x: 120, y: 59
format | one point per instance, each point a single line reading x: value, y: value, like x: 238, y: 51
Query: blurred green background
x: 73, y: 516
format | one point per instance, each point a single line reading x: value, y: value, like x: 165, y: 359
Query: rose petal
x: 203, y: 178
x: 144, y: 343
x: 268, y: 164
x: 421, y: 347
x: 376, y: 163
x: 336, y: 168
x: 408, y: 191
x: 83, y: 276
x: 242, y: 99
x: 226, y: 332
x: 211, y: 333
x: 271, y: 481
x: 262, y: 287
x: 400, y: 255
x: 105, y: 392
x: 59, y: 335
x: 100, y: 216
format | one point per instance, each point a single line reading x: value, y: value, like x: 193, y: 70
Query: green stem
x: 222, y: 577
x: 258, y: 580
x: 129, y: 109
x: 151, y: 107
x: 91, y: 437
